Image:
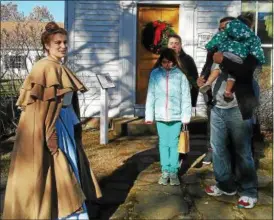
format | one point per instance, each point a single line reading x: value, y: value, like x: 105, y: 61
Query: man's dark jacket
x: 243, y: 87
x: 192, y: 75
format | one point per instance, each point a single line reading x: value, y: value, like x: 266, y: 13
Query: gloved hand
x: 52, y: 143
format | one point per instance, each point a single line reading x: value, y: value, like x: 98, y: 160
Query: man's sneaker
x: 246, y: 202
x: 203, y: 89
x: 215, y: 191
x: 174, y: 180
x: 164, y: 178
x: 208, y: 158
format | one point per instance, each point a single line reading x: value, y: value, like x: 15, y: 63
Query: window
x: 263, y: 11
x: 15, y: 62
x: 265, y: 22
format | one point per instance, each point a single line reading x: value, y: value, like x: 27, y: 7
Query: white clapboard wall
x: 102, y: 39
x: 94, y: 48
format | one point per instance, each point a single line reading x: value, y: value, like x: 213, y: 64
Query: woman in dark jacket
x: 190, y: 69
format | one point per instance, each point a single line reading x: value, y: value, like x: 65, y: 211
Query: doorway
x: 145, y: 58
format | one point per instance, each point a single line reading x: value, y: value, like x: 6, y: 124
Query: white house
x: 105, y: 37
x: 20, y: 49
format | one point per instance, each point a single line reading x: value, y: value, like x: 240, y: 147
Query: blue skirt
x: 66, y: 142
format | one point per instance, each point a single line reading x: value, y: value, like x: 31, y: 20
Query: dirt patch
x: 115, y: 166
x: 105, y: 159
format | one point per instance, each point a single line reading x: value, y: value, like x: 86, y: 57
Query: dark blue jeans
x: 228, y: 124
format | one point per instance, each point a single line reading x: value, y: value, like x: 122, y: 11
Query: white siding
x: 103, y: 40
x: 95, y: 49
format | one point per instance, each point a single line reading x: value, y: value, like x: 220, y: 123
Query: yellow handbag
x: 183, y: 146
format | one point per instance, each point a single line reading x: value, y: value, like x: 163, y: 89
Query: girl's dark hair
x: 170, y: 55
x: 50, y: 29
x: 247, y: 18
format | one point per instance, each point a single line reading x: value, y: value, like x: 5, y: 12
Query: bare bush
x: 265, y: 110
x: 20, y: 48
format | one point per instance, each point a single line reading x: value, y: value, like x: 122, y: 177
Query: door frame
x: 163, y: 11
x: 187, y: 15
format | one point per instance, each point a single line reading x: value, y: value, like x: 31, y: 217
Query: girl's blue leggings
x: 169, y: 133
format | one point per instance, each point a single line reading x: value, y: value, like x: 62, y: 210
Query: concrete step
x: 138, y: 127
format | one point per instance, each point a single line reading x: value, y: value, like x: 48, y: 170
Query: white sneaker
x: 215, y: 191
x: 208, y: 158
x: 246, y: 202
x: 164, y: 178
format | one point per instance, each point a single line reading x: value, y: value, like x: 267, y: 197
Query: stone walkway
x: 148, y: 200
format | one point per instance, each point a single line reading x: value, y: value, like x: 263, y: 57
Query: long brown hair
x: 170, y: 55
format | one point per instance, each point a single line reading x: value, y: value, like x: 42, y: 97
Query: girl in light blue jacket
x: 169, y: 104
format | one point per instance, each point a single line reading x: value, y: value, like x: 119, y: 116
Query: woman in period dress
x: 49, y: 176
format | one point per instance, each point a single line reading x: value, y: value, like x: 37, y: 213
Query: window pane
x: 265, y: 22
x: 249, y: 6
x: 265, y: 77
x: 15, y: 62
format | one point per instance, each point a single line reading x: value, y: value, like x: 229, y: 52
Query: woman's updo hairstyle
x: 50, y: 29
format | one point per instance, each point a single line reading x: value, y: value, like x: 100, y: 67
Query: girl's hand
x: 200, y: 81
x: 148, y: 122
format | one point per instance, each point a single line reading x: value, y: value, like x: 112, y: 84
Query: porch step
x: 138, y: 127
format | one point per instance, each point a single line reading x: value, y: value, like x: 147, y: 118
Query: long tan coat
x: 42, y: 186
